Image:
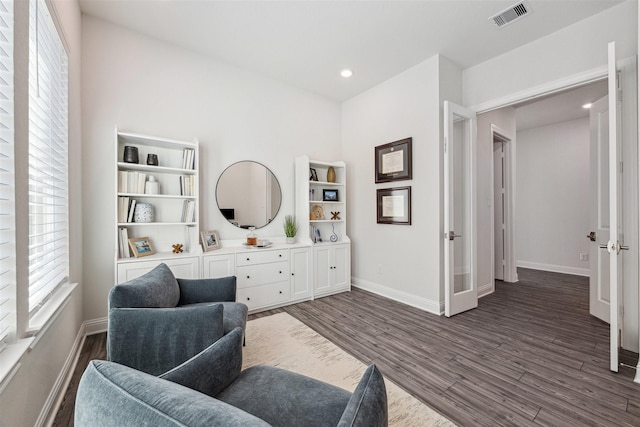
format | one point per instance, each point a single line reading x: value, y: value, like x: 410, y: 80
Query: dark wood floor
x: 530, y: 354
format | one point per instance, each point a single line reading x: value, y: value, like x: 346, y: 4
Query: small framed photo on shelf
x: 330, y: 195
x: 394, y: 161
x: 313, y: 175
x: 394, y: 205
x: 141, y: 246
x: 210, y: 240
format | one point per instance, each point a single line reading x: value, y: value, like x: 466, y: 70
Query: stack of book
x: 187, y: 185
x: 126, y: 206
x: 188, y: 211
x: 188, y: 159
x: 131, y: 182
x: 123, y: 243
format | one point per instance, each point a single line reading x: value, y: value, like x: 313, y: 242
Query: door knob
x: 453, y: 235
x: 592, y: 236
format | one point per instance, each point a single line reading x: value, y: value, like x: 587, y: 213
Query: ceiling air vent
x: 511, y: 14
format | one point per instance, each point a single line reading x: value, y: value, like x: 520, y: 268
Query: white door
x: 461, y: 291
x: 599, y: 215
x: 614, y: 245
x: 498, y: 209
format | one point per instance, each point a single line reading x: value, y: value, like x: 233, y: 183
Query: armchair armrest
x: 193, y: 291
x: 154, y: 340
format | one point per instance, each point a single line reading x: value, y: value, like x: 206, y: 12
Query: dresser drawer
x: 262, y: 274
x: 261, y: 256
x: 265, y: 295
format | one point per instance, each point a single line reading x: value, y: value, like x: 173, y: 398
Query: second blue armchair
x: 156, y: 321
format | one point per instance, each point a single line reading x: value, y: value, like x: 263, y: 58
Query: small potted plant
x: 290, y: 228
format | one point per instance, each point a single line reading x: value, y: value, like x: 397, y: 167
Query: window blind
x: 48, y: 157
x: 7, y: 188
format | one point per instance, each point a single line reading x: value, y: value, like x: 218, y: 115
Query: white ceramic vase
x: 143, y: 212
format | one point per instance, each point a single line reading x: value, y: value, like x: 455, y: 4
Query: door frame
x: 630, y: 121
x: 510, y: 271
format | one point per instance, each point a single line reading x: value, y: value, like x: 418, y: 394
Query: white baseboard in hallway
x: 554, y: 268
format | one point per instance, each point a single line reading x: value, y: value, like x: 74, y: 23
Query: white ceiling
x: 559, y: 107
x: 305, y: 43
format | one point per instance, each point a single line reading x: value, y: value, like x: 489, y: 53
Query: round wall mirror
x: 248, y: 194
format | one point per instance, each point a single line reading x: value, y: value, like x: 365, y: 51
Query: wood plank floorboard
x: 529, y: 355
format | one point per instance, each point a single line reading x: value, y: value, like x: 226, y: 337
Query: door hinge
x: 621, y: 311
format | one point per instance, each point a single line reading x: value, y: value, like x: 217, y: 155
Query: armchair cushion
x: 194, y: 291
x: 213, y: 369
x: 110, y: 394
x: 159, y: 339
x: 157, y: 288
x: 284, y: 398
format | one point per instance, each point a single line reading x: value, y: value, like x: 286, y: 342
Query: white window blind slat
x: 48, y: 158
x: 7, y: 183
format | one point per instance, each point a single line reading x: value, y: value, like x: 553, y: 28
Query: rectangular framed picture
x: 330, y: 195
x: 394, y: 205
x: 394, y: 161
x: 210, y: 240
x: 141, y: 246
x: 313, y: 174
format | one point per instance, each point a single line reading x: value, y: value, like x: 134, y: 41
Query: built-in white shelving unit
x: 328, y: 233
x: 175, y: 206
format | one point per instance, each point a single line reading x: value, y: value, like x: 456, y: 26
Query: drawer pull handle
x: 280, y: 255
x: 248, y: 259
x: 293, y: 274
x: 248, y: 299
x: 248, y: 277
x: 280, y: 291
x: 280, y: 272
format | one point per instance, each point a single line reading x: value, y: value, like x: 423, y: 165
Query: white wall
x: 573, y: 50
x: 505, y: 119
x: 146, y: 86
x: 552, y: 213
x: 30, y: 394
x: 399, y: 261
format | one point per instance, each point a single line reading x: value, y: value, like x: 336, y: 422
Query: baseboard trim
x: 95, y: 326
x: 52, y: 405
x: 554, y: 268
x: 486, y: 289
x: 434, y: 307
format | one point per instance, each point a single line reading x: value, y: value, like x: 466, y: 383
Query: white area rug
x: 283, y: 341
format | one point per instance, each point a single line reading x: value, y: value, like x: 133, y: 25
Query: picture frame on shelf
x: 394, y: 161
x: 210, y: 240
x: 330, y: 195
x: 394, y: 205
x: 313, y: 174
x: 141, y: 246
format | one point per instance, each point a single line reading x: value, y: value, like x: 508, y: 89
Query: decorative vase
x: 130, y: 154
x: 143, y: 212
x: 291, y: 240
x: 331, y: 174
x: 152, y: 159
x: 151, y: 186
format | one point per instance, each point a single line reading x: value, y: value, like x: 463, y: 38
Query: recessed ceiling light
x: 587, y: 106
x: 346, y: 73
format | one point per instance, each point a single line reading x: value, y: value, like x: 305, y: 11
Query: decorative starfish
x: 177, y: 248
x: 335, y: 215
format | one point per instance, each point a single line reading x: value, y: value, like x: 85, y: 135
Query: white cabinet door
x: 322, y: 262
x: 300, y: 273
x: 214, y: 266
x: 183, y: 268
x: 341, y: 267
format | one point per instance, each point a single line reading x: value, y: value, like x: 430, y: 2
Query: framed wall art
x: 394, y: 161
x: 394, y: 205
